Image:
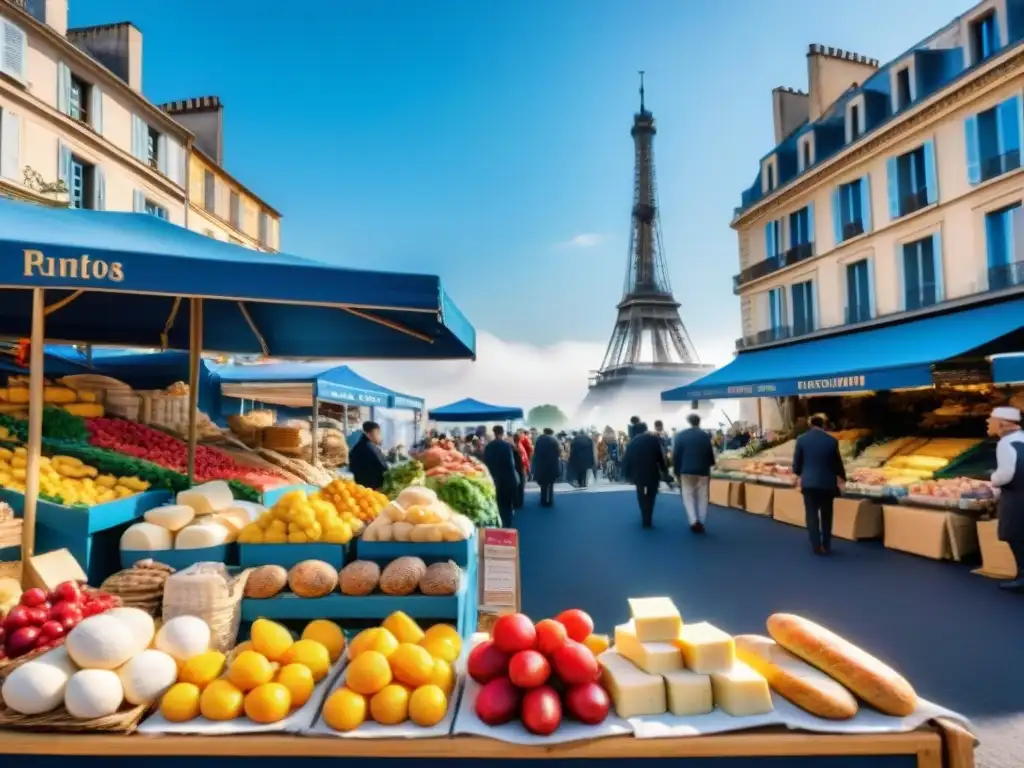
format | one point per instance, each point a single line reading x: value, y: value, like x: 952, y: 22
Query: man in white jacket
x: 1005, y: 423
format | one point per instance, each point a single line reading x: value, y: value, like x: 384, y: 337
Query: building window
x: 154, y: 209
x: 264, y: 234
x: 851, y: 209
x: 805, y: 154
x: 769, y: 177
x: 855, y: 119
x: 984, y: 36
x: 801, y: 235
x: 773, y: 239
x: 803, y: 307
x: 81, y: 181
x: 1004, y: 236
x: 911, y: 178
x: 858, y: 292
x: 921, y: 273
x: 209, y: 191
x: 236, y: 210
x: 777, y: 312
x: 37, y: 8
x: 78, y: 100
x: 152, y: 148
x: 855, y: 122
x: 993, y: 141
x: 903, y: 94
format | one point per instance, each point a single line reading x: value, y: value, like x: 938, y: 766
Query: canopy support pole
x: 314, y: 438
x: 37, y: 341
x: 195, y: 351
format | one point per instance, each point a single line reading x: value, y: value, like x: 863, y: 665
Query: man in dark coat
x: 547, y: 459
x: 1008, y: 477
x: 366, y: 460
x: 500, y: 460
x: 644, y: 465
x: 692, y: 459
x: 821, y: 477
x: 581, y: 458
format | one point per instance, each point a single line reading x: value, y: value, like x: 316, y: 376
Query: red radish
x: 67, y: 592
x: 588, y: 703
x: 551, y: 636
x: 22, y: 641
x: 575, y: 664
x: 487, y: 662
x: 51, y: 630
x: 61, y: 611
x: 37, y: 615
x: 541, y: 711
x: 33, y: 597
x: 17, y: 618
x: 70, y: 622
x: 577, y: 623
x: 91, y: 609
x: 528, y: 669
x: 497, y: 702
x: 514, y: 632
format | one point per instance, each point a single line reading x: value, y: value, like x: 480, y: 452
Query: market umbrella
x: 468, y: 410
x: 125, y: 279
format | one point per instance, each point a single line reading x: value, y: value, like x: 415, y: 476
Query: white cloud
x: 585, y: 240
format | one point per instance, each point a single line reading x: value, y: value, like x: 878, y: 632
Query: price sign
x: 499, y: 573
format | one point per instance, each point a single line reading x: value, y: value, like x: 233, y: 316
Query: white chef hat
x: 1006, y: 413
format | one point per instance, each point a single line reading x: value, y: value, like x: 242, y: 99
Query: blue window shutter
x: 930, y: 177
x: 63, y: 88
x: 814, y: 304
x: 892, y: 177
x: 973, y: 154
x: 138, y: 201
x: 96, y: 110
x: 64, y: 163
x: 901, y: 282
x: 837, y: 216
x: 940, y: 292
x: 769, y: 240
x: 865, y: 201
x: 10, y: 145
x: 100, y: 184
x: 810, y: 223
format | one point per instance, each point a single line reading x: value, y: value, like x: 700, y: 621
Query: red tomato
x: 33, y: 597
x: 577, y: 623
x: 51, y: 630
x: 37, y: 615
x: 528, y: 669
x: 68, y: 592
x: 551, y: 636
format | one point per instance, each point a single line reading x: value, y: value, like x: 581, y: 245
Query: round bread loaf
x: 869, y: 678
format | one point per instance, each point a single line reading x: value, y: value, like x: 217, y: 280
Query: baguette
x: 796, y: 680
x: 867, y: 677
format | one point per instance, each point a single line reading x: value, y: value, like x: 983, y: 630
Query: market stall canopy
x: 58, y: 360
x: 294, y: 385
x: 470, y: 410
x: 889, y: 357
x: 119, y: 279
x: 1008, y: 369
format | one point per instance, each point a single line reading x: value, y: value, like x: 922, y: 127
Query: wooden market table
x: 938, y: 746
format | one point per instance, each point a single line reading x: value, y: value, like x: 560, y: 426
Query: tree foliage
x: 546, y: 416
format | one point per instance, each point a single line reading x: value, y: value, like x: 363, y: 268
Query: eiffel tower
x: 650, y: 350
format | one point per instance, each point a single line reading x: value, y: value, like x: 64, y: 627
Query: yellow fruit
x: 403, y: 628
x: 412, y: 664
x: 299, y: 681
x: 249, y: 670
x: 328, y: 634
x: 269, y: 703
x: 368, y: 673
x: 309, y: 653
x: 374, y: 639
x: 390, y: 705
x: 443, y: 676
x: 344, y: 710
x: 203, y: 669
x: 428, y: 705
x: 597, y: 644
x: 270, y: 639
x: 220, y: 700
x: 441, y: 648
x: 443, y: 630
x: 181, y: 703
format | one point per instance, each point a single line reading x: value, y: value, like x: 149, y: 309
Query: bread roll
x: 867, y: 677
x: 796, y: 680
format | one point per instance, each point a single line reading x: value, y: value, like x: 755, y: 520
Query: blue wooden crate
x: 461, y: 552
x: 269, y: 498
x: 179, y: 559
x: 287, y: 555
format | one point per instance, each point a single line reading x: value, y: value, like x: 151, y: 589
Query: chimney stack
x: 203, y: 116
x: 830, y: 72
x: 118, y: 47
x: 789, y: 111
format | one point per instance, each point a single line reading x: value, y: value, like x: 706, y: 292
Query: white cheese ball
x: 138, y: 622
x: 147, y: 676
x: 101, y: 642
x: 183, y: 638
x: 38, y: 686
x: 93, y: 693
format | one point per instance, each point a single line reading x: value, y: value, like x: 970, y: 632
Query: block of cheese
x: 200, y: 536
x: 173, y: 517
x: 741, y: 691
x: 633, y: 691
x: 147, y: 537
x: 656, y: 619
x: 706, y: 649
x: 688, y: 693
x: 233, y: 519
x: 653, y: 658
x: 250, y: 508
x: 208, y: 498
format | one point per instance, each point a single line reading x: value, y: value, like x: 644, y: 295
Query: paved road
x: 956, y: 636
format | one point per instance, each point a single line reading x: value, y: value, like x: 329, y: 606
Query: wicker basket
x: 141, y: 586
x: 127, y: 404
x: 208, y: 591
x: 59, y: 721
x: 163, y: 410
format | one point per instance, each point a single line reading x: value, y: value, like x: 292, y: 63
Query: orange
x: 328, y: 634
x: 390, y: 705
x: 268, y: 703
x: 312, y: 654
x: 443, y: 630
x: 270, y: 638
x: 368, y: 673
x: 443, y: 676
x: 403, y: 628
x: 203, y: 669
x: 181, y: 703
x: 412, y: 664
x: 598, y: 644
x: 221, y: 700
x: 441, y: 648
x: 374, y: 639
x: 344, y: 710
x: 428, y: 706
x: 249, y: 670
x: 299, y: 681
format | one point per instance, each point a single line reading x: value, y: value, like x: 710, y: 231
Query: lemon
x: 181, y: 703
x: 428, y: 706
x: 328, y: 634
x: 270, y: 639
x: 443, y: 676
x: 268, y: 703
x: 203, y: 669
x: 368, y: 673
x: 309, y: 653
x: 299, y: 682
x: 220, y: 700
x: 249, y: 670
x: 390, y: 705
x: 344, y: 710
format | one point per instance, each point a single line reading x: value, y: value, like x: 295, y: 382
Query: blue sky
x: 476, y: 139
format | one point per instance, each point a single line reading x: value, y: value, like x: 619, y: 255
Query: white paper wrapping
x: 295, y: 722
x: 467, y: 723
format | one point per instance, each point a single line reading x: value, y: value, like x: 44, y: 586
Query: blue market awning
x: 1008, y: 369
x: 889, y: 357
x: 118, y: 279
x: 470, y: 410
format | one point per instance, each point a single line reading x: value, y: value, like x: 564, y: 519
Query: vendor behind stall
x: 1004, y: 423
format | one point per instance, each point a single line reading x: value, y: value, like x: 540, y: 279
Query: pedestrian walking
x: 644, y: 465
x: 581, y: 458
x: 821, y: 477
x: 1005, y: 423
x: 500, y: 460
x: 693, y: 456
x: 547, y: 461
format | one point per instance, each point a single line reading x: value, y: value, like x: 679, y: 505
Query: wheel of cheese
x: 173, y: 517
x: 38, y: 685
x: 146, y: 537
x: 93, y: 693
